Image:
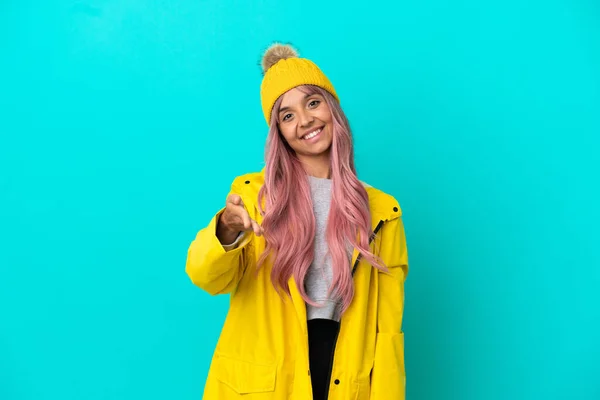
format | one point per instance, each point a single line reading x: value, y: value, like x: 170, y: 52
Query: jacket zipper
x: 377, y: 228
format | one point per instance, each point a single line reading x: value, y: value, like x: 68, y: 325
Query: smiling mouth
x: 312, y: 134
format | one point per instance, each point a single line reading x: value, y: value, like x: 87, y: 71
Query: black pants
x: 322, y: 337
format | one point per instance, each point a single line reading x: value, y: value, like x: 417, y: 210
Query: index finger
x: 235, y: 199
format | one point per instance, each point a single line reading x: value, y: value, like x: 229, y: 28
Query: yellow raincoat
x: 262, y: 352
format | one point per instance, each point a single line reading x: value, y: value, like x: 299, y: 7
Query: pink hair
x: 289, y: 222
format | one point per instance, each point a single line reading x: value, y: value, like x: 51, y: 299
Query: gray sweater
x: 320, y: 274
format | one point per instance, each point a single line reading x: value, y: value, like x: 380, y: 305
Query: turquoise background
x: 122, y: 124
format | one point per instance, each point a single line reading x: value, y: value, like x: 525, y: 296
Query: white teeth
x: 312, y: 134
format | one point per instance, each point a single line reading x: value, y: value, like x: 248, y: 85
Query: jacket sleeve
x: 388, y: 376
x: 209, y: 265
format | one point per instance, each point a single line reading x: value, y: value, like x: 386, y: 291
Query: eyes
x: 312, y: 104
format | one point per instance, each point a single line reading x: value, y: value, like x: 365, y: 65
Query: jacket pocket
x: 245, y: 377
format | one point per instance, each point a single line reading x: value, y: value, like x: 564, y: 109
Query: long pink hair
x: 288, y: 219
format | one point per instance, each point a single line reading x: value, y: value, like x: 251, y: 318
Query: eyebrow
x: 306, y: 96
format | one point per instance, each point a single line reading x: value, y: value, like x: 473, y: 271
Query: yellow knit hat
x: 284, y: 70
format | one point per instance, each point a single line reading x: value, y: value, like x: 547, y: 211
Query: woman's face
x: 306, y: 123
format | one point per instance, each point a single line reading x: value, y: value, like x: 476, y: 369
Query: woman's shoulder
x: 382, y: 203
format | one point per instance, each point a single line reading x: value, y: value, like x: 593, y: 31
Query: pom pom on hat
x: 275, y: 53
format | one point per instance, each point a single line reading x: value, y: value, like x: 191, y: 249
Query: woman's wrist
x: 224, y: 234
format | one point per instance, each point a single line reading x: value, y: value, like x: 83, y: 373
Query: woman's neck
x: 317, y: 166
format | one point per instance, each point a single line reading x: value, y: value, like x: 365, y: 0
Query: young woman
x: 314, y: 260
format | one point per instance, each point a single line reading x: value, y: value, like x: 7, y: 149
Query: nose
x: 306, y: 119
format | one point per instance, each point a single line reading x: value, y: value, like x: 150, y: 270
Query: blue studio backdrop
x: 122, y: 124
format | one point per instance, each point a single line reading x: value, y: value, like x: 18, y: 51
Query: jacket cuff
x: 240, y: 238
